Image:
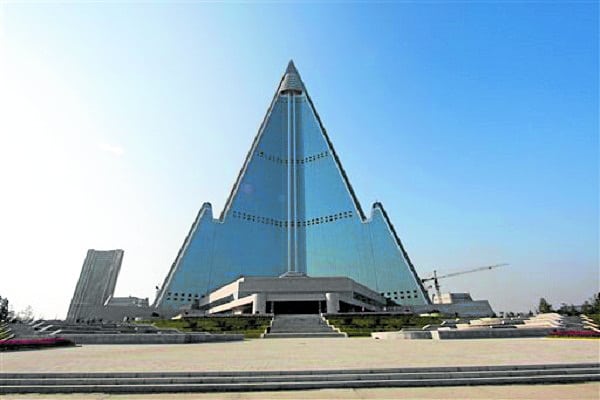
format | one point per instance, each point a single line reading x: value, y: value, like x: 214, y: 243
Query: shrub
x: 250, y: 327
x: 365, y: 324
x: 574, y: 334
x: 37, y: 343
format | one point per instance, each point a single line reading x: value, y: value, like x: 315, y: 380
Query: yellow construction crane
x: 435, y: 277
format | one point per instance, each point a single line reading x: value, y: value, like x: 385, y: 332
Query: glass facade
x: 292, y: 209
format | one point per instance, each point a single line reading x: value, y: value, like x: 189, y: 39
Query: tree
x: 596, y: 303
x: 566, y: 309
x: 3, y: 308
x: 587, y: 308
x: 544, y: 306
x: 26, y: 314
x: 592, y: 305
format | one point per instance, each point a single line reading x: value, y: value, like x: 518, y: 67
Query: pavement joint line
x: 299, y: 372
x: 387, y: 375
x: 200, y: 381
x: 296, y: 385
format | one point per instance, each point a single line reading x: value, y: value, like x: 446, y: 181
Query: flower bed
x: 574, y: 334
x: 38, y: 343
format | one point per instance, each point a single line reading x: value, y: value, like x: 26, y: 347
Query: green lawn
x: 364, y: 325
x: 249, y: 326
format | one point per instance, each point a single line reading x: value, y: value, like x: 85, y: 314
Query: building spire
x: 291, y: 68
x: 291, y: 81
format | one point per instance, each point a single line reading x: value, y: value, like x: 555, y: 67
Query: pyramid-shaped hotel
x: 292, y: 213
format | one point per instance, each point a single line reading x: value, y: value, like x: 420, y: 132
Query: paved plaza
x: 315, y: 354
x: 301, y: 354
x: 585, y: 391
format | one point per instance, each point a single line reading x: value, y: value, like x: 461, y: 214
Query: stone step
x: 302, y: 330
x: 21, y: 330
x: 301, y: 325
x: 288, y: 335
x: 299, y: 385
x: 293, y: 380
x: 285, y: 378
x: 311, y: 372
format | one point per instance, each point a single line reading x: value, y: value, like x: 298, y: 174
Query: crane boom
x: 435, y: 278
x: 467, y: 271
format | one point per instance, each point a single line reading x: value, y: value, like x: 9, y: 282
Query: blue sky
x: 476, y: 125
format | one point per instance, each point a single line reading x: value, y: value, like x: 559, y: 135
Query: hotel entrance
x: 296, y: 307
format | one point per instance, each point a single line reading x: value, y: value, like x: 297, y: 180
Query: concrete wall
x: 402, y: 335
x: 490, y: 333
x: 151, y: 338
x: 474, y: 309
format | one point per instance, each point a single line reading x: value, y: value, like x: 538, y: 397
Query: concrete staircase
x: 301, y: 325
x: 114, y: 333
x: 172, y: 382
x: 23, y: 329
x: 493, y: 328
x: 588, y: 323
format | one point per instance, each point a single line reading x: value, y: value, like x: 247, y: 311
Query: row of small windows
x: 400, y: 295
x: 183, y: 296
x: 304, y: 160
x: 284, y: 224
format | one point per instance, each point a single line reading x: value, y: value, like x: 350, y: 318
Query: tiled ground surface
x: 302, y: 354
x: 586, y: 391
